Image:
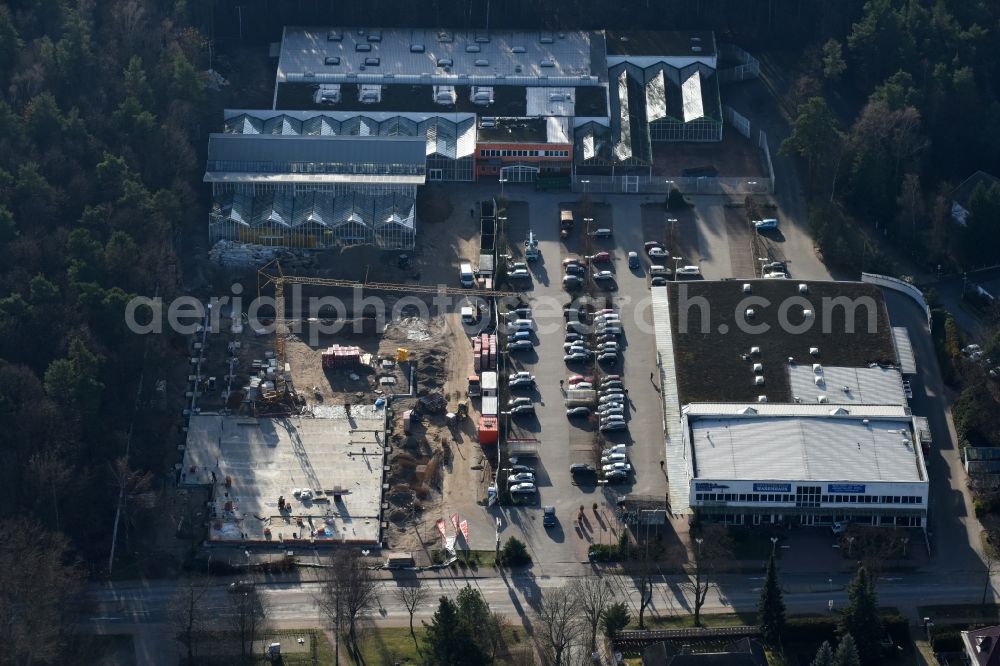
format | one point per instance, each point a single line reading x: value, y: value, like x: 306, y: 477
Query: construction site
x: 341, y: 428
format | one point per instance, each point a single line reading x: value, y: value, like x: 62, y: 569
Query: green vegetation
x: 463, y: 631
x: 771, y: 607
x: 515, y: 553
x: 861, y: 618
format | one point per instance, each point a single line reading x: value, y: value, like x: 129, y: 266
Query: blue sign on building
x: 845, y: 488
x: 772, y: 487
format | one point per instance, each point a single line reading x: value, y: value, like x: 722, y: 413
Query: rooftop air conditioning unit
x: 758, y: 367
x: 808, y: 314
x: 517, y: 49
x: 817, y: 368
x: 814, y: 351
x: 472, y: 48
x: 821, y: 399
x: 758, y: 380
x: 803, y: 288
x: 696, y: 49
x: 755, y: 351
x: 762, y: 398
x: 747, y: 288
x: 750, y: 313
x: 818, y: 381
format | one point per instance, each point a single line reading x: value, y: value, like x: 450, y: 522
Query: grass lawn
x: 394, y: 645
x: 481, y: 559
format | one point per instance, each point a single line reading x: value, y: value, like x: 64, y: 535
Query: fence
x: 741, y: 123
x: 749, y: 67
x: 900, y: 286
x: 662, y: 184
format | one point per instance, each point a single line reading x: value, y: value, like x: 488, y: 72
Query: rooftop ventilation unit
x: 370, y: 94
x: 755, y: 351
x: 696, y: 39
x: 547, y: 63
x: 696, y: 49
x: 481, y: 95
x: 482, y: 62
x: 748, y: 411
x: 517, y: 49
x: 762, y: 398
x: 791, y: 360
x: 445, y: 62
x: 372, y: 62
x: 803, y: 288
x: 865, y: 421
x: 817, y: 368
x: 750, y: 313
x: 445, y: 95
x: 839, y: 411
x: 472, y: 48
x: 814, y: 351
x: 758, y: 367
x: 362, y: 48
x: 818, y: 380
x: 808, y: 314
x: 747, y: 288
x: 334, y: 36
x: 546, y: 38
x: 331, y: 60
x: 375, y: 36
x: 416, y: 48
x: 821, y: 399
x: 758, y: 380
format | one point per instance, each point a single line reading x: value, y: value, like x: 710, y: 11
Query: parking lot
x: 708, y: 235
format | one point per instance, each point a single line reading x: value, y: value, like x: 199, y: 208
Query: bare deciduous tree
x: 558, y: 620
x: 498, y: 625
x: 712, y: 547
x: 248, y: 620
x: 411, y: 596
x: 35, y: 583
x: 593, y: 595
x: 350, y: 592
x: 188, y: 614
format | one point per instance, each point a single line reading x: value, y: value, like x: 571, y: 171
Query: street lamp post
x: 774, y: 542
x: 753, y: 186
x: 672, y: 222
x: 762, y: 260
x: 830, y: 582
x: 928, y: 626
x: 502, y: 181
x: 585, y: 183
x: 677, y: 260
x: 850, y: 546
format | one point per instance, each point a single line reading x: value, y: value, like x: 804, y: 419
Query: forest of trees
x: 103, y: 120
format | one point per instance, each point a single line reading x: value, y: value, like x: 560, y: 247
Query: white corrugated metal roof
x: 557, y: 130
x: 543, y: 102
x: 904, y: 350
x: 876, y: 386
x: 786, y: 409
x: 811, y: 448
x: 552, y: 58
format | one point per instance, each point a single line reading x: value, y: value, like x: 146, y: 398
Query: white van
x: 659, y: 271
x: 522, y: 324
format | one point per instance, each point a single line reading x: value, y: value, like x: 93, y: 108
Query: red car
x: 649, y: 245
x: 577, y: 379
x: 600, y: 258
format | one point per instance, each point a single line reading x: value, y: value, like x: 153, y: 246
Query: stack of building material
x: 477, y: 350
x: 484, y: 352
x: 339, y: 356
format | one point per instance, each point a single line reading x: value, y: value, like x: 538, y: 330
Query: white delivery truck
x: 468, y: 278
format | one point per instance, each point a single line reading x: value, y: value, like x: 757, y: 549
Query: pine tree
x: 771, y: 607
x: 449, y: 642
x: 861, y: 619
x: 824, y: 656
x: 847, y: 652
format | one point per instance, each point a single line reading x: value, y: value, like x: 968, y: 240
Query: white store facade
x: 805, y: 464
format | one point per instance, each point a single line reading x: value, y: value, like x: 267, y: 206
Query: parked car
x: 613, y: 397
x: 523, y: 489
x: 572, y: 281
x: 571, y: 260
x: 574, y: 337
x: 519, y: 335
x: 576, y: 379
x: 616, y: 467
x: 766, y: 224
x: 520, y: 401
x: 614, y: 425
x: 581, y: 468
x: 611, y: 378
x: 658, y: 282
x: 520, y: 345
x: 617, y: 408
x: 518, y: 312
x: 521, y: 379
x: 574, y: 412
x: 617, y: 448
x: 604, y: 275
x: 612, y: 383
x: 658, y: 253
x: 548, y: 516
x: 241, y: 586
x: 517, y: 469
x: 615, y: 475
x: 577, y: 356
x: 776, y: 275
x: 583, y: 386
x: 689, y: 270
x: 607, y: 357
x: 521, y: 477
x: 657, y: 270
x: 575, y: 269
x: 522, y: 409
x: 601, y: 232
x: 633, y: 260
x: 600, y: 258
x: 649, y: 245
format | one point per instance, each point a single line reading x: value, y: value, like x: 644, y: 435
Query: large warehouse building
x: 784, y: 403
x: 511, y: 105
